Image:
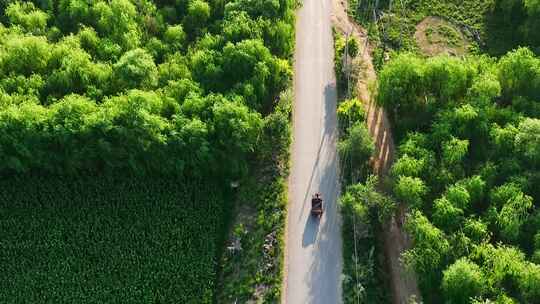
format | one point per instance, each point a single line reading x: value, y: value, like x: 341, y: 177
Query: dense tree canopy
x: 148, y: 86
x: 468, y: 162
x: 463, y: 280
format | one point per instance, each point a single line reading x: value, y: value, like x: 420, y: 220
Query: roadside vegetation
x: 468, y: 169
x: 467, y: 136
x: 252, y: 271
x: 122, y: 91
x: 363, y: 208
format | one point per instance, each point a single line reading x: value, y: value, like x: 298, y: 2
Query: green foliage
x: 476, y: 230
x: 203, y: 84
x: 25, y: 55
x: 27, y: 16
x: 356, y: 148
x: 401, y: 83
x: 135, y: 69
x: 519, y: 74
x: 514, y: 208
x: 467, y: 137
x: 175, y: 37
x: 530, y: 283
x: 363, y: 207
x: 462, y: 281
x: 350, y: 110
x: 134, y: 239
x: 276, y: 131
x: 148, y: 88
x: 516, y: 21
x: 454, y: 151
x: 527, y: 140
x: 446, y: 215
x: 475, y: 187
x: 409, y: 166
x: 411, y: 191
x: 198, y: 14
x: 430, y: 250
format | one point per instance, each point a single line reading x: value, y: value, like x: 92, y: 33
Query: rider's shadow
x: 310, y: 231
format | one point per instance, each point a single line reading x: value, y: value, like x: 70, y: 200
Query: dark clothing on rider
x: 316, y: 202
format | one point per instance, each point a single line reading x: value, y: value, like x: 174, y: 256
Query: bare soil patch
x: 436, y: 36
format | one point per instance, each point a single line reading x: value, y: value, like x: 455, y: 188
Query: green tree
x: 27, y: 16
x: 503, y: 265
x: 485, y: 88
x: 411, y: 191
x: 236, y: 130
x: 529, y: 283
x: 476, y: 230
x: 401, y: 83
x: 207, y: 69
x: 74, y: 72
x: 454, y: 151
x: 458, y: 196
x: 429, y: 252
x: 191, y: 143
x: 350, y: 112
x: 475, y: 187
x: 279, y: 37
x: 20, y: 129
x: 71, y: 13
x: 238, y: 26
x: 447, y: 78
x: 198, y: 14
x: 409, y: 166
x: 175, y: 38
x: 513, y: 214
x: 250, y: 63
x: 527, y: 140
x: 176, y: 67
x: 25, y: 55
x: 117, y: 19
x: 446, y: 215
x: 355, y: 150
x: 462, y: 281
x: 364, y: 199
x: 135, y: 69
x: 519, y: 74
x: 513, y: 208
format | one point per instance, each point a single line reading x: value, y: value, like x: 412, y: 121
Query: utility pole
x: 347, y: 65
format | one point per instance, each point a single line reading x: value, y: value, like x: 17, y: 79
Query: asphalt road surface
x: 313, y: 253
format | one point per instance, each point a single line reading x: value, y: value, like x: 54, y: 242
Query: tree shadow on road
x: 325, y: 234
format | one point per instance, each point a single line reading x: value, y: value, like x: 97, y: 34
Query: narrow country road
x: 313, y: 257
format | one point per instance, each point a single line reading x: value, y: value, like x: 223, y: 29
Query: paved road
x: 313, y: 254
